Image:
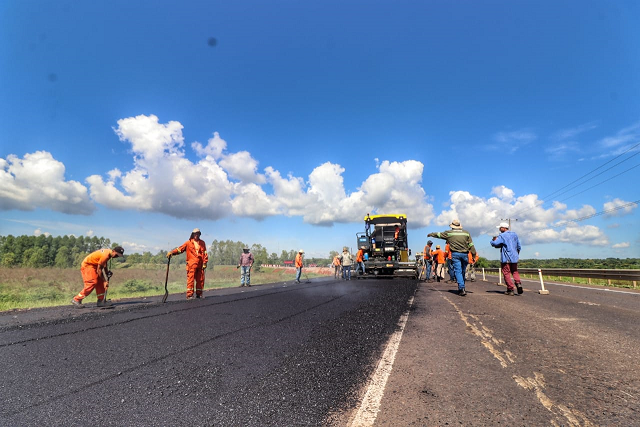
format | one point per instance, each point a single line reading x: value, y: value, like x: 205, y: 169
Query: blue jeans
x: 428, y: 270
x: 346, y: 272
x: 298, y: 273
x: 245, y: 276
x: 459, y: 261
x: 360, y: 266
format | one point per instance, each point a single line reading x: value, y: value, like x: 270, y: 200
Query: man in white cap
x: 197, y: 259
x: 299, y: 265
x: 509, y: 245
x: 460, y: 244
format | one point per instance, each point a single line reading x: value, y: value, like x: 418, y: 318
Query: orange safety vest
x: 360, y: 256
x: 97, y: 259
x: 299, y: 260
x: 438, y: 254
x: 427, y: 253
x: 196, y: 252
x: 336, y: 260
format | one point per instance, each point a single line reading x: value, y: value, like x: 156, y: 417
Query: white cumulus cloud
x: 619, y: 207
x: 37, y: 181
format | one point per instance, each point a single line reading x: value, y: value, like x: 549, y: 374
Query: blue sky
x: 284, y: 122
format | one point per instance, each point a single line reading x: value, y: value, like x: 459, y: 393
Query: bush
x: 135, y: 285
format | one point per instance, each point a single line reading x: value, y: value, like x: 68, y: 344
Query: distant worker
x: 461, y: 244
x: 336, y: 267
x: 360, y: 261
x: 299, y: 265
x: 509, y: 245
x: 439, y: 260
x: 428, y: 261
x: 245, y: 264
x: 447, y: 256
x: 367, y: 225
x: 346, y: 260
x: 396, y: 236
x: 197, y: 259
x: 93, y: 270
x: 470, y: 274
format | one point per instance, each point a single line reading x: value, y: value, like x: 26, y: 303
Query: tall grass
x: 23, y: 288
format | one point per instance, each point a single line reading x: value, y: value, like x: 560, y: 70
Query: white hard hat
x: 301, y: 251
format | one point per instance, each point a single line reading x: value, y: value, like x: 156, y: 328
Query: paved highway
x: 387, y: 352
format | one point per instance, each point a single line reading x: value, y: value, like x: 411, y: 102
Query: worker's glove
x: 169, y: 255
x: 109, y: 274
x: 237, y: 266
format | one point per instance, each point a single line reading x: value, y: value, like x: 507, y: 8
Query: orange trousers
x: 195, y: 274
x: 91, y: 280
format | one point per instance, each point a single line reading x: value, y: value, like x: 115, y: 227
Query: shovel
x: 166, y: 279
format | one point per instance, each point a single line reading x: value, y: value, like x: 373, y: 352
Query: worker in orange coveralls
x: 197, y: 259
x: 92, y: 269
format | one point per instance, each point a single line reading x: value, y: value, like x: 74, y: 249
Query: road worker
x: 470, y: 274
x: 93, y: 270
x: 449, y: 268
x: 346, y: 259
x: 245, y: 264
x: 509, y: 245
x: 197, y: 259
x: 360, y: 261
x: 427, y: 256
x: 439, y: 259
x: 337, y: 267
x: 299, y: 265
x: 461, y: 244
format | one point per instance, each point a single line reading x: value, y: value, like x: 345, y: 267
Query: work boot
x: 462, y: 292
x: 76, y: 303
x: 200, y: 296
x: 520, y: 290
x: 509, y: 292
x: 191, y: 297
x: 248, y: 285
x: 103, y: 303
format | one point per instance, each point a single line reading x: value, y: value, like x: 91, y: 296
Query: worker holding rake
x: 197, y: 259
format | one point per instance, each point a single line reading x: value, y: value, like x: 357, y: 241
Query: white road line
x: 370, y: 405
x: 591, y: 289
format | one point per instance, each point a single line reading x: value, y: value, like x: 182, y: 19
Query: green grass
x: 24, y: 288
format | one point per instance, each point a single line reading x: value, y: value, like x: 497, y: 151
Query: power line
x: 602, y: 165
x: 564, y: 223
x: 560, y: 192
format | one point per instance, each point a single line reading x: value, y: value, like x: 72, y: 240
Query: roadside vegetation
x: 23, y: 288
x: 42, y: 271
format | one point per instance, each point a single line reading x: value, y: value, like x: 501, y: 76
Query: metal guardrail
x: 601, y: 274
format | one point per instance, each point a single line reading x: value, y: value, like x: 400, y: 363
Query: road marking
x: 589, y: 288
x: 486, y: 336
x: 571, y: 417
x: 370, y: 405
x: 536, y: 384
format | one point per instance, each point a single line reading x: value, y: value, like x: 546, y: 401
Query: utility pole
x: 508, y: 219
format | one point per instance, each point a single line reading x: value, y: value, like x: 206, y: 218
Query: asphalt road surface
x: 310, y: 354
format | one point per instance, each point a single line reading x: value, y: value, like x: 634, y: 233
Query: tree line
x: 69, y: 251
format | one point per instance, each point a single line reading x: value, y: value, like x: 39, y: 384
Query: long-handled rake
x: 166, y: 279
